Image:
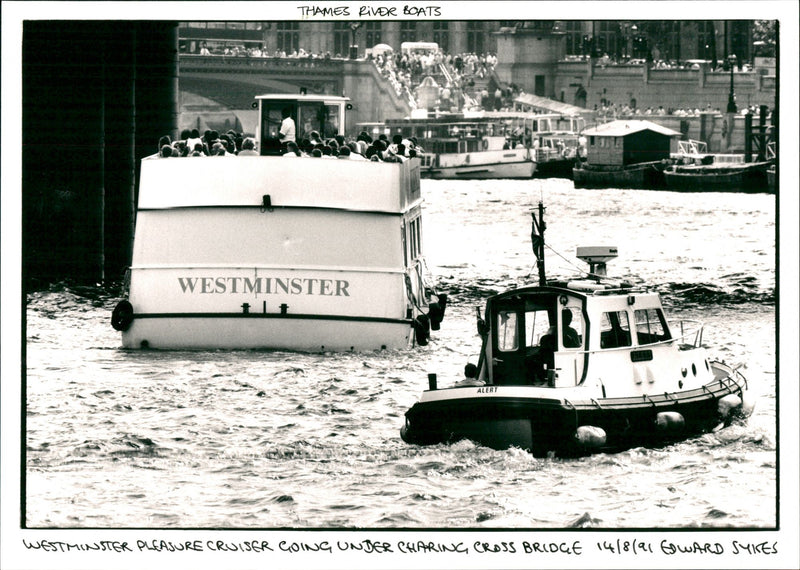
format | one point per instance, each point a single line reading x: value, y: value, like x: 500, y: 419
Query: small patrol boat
x: 570, y: 368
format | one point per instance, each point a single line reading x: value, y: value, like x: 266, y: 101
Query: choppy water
x: 250, y: 439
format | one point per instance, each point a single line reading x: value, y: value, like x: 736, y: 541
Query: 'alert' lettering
x: 264, y: 286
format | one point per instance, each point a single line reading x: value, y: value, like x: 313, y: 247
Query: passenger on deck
x: 292, y: 150
x: 218, y: 149
x: 287, y: 132
x: 248, y: 148
x: 354, y: 151
x: 194, y: 140
x: 166, y: 151
x: 470, y: 377
x: 315, y: 139
x: 165, y: 140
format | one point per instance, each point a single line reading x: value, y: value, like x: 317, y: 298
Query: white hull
x: 492, y: 164
x: 264, y: 252
x: 300, y: 332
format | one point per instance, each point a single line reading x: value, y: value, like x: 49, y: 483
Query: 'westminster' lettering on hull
x: 263, y: 286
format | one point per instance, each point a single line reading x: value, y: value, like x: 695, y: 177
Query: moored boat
x: 645, y: 175
x: 491, y: 145
x: 578, y: 367
x: 626, y: 154
x: 270, y: 252
x: 719, y: 177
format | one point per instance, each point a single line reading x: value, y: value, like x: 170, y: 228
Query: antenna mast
x: 537, y: 241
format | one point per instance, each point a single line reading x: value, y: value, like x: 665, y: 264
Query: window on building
x: 253, y: 26
x: 607, y: 37
x: 215, y: 25
x: 408, y: 31
x: 740, y: 45
x: 441, y: 34
x: 288, y: 36
x: 341, y: 38
x: 671, y: 41
x: 706, y: 40
x: 234, y: 25
x: 574, y: 33
x: 475, y: 35
x: 372, y: 34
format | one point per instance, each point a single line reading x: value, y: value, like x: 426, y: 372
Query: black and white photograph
x: 400, y: 285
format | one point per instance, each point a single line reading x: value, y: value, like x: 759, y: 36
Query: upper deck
x: 289, y: 182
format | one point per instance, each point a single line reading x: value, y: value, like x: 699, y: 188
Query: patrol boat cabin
x: 268, y: 251
x: 583, y: 366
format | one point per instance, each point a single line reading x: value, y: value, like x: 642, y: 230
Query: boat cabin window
x: 507, y: 335
x: 413, y: 239
x: 571, y: 328
x: 651, y: 326
x: 537, y: 325
x: 615, y: 330
x: 318, y: 117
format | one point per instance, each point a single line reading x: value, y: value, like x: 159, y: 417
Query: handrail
x: 692, y: 147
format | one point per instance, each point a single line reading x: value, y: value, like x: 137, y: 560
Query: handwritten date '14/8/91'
x: 376, y: 11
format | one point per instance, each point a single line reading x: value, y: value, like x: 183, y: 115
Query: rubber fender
x: 443, y: 302
x: 590, y: 436
x: 748, y: 403
x: 422, y: 327
x: 122, y: 316
x: 669, y: 421
x: 435, y: 314
x: 728, y: 405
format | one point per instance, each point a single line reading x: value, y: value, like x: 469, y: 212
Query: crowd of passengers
x: 363, y: 147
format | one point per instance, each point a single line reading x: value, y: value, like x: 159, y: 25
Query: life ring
x: 122, y: 316
x: 485, y: 144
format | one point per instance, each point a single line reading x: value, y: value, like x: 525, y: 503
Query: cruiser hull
x: 306, y: 333
x: 719, y: 178
x: 642, y: 176
x: 544, y: 424
x: 500, y: 170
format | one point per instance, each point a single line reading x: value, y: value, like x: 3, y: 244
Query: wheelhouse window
x: 571, y: 328
x: 537, y: 325
x: 651, y: 326
x: 615, y: 330
x: 507, y: 335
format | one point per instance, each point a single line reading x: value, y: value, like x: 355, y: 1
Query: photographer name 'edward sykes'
x: 369, y: 11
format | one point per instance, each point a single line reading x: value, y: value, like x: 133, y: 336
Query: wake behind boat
x: 267, y: 251
x: 577, y: 367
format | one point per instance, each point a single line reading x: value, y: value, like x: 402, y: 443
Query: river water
x: 266, y: 440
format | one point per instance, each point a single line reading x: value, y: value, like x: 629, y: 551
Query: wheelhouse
x: 555, y: 336
x: 324, y: 114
